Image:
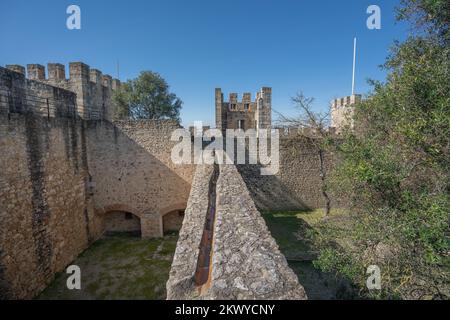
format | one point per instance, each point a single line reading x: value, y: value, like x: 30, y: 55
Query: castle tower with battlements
x: 342, y: 110
x: 92, y: 88
x: 244, y: 114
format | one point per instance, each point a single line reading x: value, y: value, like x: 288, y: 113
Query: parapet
x: 95, y: 76
x: 78, y: 71
x: 246, y: 97
x: 16, y: 68
x: 56, y: 71
x: 36, y: 72
x: 92, y: 88
x: 107, y: 81
x: 346, y: 101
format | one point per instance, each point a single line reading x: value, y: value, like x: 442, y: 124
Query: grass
x: 290, y: 230
x: 119, y: 267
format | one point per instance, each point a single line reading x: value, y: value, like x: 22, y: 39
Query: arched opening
x: 122, y: 222
x: 172, y: 221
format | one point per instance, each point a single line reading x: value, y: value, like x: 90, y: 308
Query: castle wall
x: 61, y: 176
x: 132, y: 171
x: 119, y: 221
x: 93, y: 90
x: 46, y: 214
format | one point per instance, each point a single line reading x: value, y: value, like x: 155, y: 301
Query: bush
x: 394, y: 170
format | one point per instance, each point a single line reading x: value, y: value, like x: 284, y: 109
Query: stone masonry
x: 342, y: 112
x: 93, y: 89
x: 244, y: 114
x: 246, y: 262
x: 68, y: 174
x: 62, y: 175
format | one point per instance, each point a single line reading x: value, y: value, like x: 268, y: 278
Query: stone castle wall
x: 61, y: 175
x: 93, y: 89
x: 132, y: 171
x: 46, y: 213
x: 21, y: 95
x: 61, y: 178
x: 63, y: 171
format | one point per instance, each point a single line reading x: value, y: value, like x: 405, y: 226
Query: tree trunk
x: 323, y: 186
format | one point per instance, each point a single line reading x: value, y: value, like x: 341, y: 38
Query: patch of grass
x: 119, y: 267
x: 292, y: 231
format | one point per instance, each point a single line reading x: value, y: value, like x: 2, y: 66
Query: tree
x: 313, y: 126
x: 394, y: 168
x: 146, y: 97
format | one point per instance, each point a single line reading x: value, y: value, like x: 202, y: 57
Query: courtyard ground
x: 290, y: 230
x: 119, y: 267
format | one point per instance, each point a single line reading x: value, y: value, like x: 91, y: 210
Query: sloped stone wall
x: 246, y: 262
x: 181, y: 284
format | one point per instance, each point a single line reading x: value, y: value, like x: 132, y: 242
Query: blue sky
x: 238, y: 45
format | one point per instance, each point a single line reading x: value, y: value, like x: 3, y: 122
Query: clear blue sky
x: 238, y: 45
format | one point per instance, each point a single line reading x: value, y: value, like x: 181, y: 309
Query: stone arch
x: 119, y: 207
x: 172, y: 217
x: 121, y: 218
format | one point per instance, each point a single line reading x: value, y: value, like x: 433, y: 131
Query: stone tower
x: 342, y: 112
x: 244, y: 114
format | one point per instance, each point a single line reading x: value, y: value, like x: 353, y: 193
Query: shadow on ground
x: 290, y: 233
x: 121, y: 266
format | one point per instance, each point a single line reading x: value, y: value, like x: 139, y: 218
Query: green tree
x: 394, y: 168
x: 146, y: 97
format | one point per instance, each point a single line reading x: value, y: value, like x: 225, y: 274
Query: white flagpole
x: 354, y: 64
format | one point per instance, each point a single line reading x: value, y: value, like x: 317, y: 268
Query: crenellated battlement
x: 93, y: 89
x: 78, y: 71
x: 346, y: 101
x: 244, y: 113
x: 342, y: 112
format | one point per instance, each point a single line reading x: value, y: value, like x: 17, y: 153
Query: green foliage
x: 433, y: 15
x: 395, y: 165
x: 146, y: 97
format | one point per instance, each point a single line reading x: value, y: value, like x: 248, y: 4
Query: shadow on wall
x: 297, y: 185
x: 122, y: 222
x: 131, y: 167
x: 59, y: 175
x: 268, y: 192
